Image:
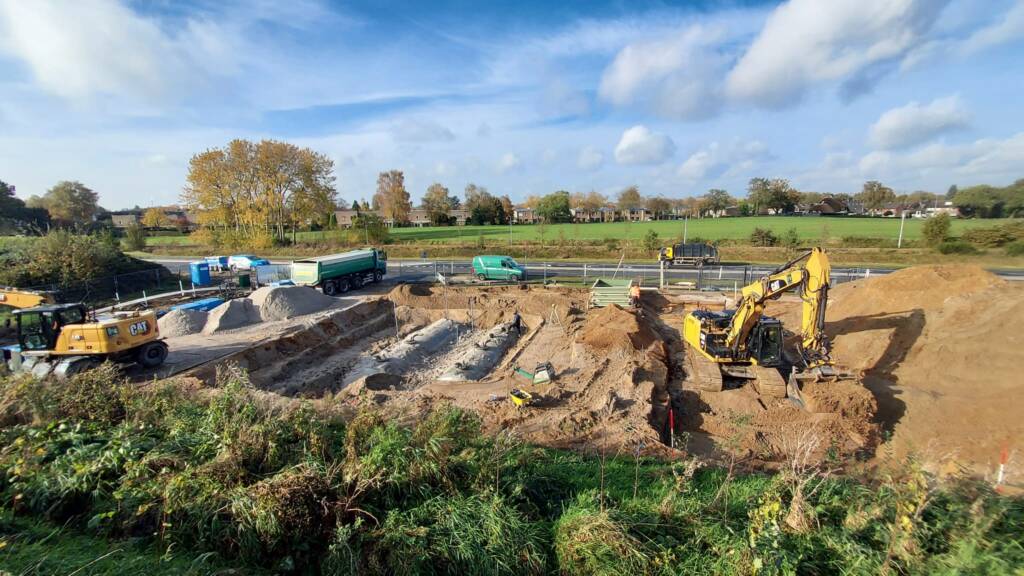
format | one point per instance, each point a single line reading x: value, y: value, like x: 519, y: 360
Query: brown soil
x: 940, y: 348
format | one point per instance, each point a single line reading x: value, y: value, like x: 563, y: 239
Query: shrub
x: 995, y: 236
x: 763, y: 237
x: 1015, y: 248
x: 651, y: 241
x: 588, y: 541
x: 135, y: 237
x: 791, y: 239
x: 612, y: 244
x: 936, y: 229
x: 957, y: 247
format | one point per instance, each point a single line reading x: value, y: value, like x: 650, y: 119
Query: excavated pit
x: 619, y: 374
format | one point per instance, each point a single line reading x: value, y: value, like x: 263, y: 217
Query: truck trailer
x: 690, y: 254
x: 339, y: 273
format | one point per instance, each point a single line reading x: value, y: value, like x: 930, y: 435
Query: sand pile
x: 940, y: 347
x: 612, y: 328
x: 181, y: 323
x: 496, y: 303
x: 231, y: 314
x: 284, y: 302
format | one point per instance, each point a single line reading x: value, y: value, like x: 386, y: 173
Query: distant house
x: 829, y: 206
x: 524, y: 216
x: 586, y: 215
x: 125, y: 218
x: 636, y: 215
x: 460, y: 215
x: 419, y: 217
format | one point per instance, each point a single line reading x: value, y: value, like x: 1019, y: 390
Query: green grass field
x: 808, y: 227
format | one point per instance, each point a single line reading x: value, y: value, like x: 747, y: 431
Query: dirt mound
x: 284, y: 302
x: 612, y: 328
x: 181, y: 323
x: 940, y: 347
x: 231, y: 314
x: 494, y: 304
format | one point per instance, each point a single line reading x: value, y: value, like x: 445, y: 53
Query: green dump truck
x: 339, y: 273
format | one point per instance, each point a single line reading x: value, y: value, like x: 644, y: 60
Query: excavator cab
x: 39, y: 327
x: 765, y: 343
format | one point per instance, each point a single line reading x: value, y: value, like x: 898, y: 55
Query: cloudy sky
x: 524, y: 98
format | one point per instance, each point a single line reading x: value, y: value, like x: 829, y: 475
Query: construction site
x: 921, y: 361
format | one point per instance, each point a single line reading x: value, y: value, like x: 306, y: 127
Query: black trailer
x: 690, y: 254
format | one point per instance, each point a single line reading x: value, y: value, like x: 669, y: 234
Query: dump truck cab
x: 498, y: 268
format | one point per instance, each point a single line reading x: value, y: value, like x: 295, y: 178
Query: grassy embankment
x: 852, y: 241
x: 102, y: 477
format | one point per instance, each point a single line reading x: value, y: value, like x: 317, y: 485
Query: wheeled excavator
x: 64, y: 339
x: 745, y: 344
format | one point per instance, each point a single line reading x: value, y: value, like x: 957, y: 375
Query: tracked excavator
x: 745, y: 344
x: 65, y: 339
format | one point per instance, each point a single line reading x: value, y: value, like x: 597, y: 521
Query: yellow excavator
x: 745, y: 344
x: 65, y: 339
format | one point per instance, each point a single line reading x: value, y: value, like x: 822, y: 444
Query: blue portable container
x: 200, y: 273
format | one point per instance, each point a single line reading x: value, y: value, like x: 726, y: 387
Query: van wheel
x: 151, y: 354
x: 330, y: 288
x: 343, y: 285
x: 481, y: 277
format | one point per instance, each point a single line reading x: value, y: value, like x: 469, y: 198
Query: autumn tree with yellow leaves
x: 155, y: 218
x: 260, y: 189
x: 392, y: 199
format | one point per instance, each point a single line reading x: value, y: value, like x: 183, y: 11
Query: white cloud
x: 509, y: 162
x: 990, y: 159
x: 716, y: 160
x: 805, y: 42
x: 678, y: 77
x: 916, y: 123
x: 590, y: 158
x: 639, y: 145
x: 101, y: 47
x: 415, y: 130
x: 1006, y: 28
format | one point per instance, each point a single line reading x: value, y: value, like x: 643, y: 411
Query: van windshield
x: 509, y: 264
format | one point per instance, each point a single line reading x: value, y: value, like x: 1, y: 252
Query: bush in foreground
x: 236, y: 476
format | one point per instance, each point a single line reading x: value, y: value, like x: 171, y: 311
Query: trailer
x: 339, y: 273
x: 690, y: 254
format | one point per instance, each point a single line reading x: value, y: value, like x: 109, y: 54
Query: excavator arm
x: 809, y: 276
x: 18, y: 298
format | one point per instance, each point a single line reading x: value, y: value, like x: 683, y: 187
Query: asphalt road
x: 724, y: 276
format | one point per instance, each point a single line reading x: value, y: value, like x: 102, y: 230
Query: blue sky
x: 521, y: 97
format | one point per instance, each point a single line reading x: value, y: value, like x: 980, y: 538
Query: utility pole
x: 686, y: 220
x: 903, y: 217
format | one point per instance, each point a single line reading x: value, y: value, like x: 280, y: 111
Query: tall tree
x: 630, y: 199
x: 260, y: 188
x: 17, y: 216
x: 554, y: 207
x: 715, y: 201
x: 392, y: 197
x: 155, y: 218
x: 774, y: 193
x: 659, y: 206
x: 437, y: 202
x: 875, y: 195
x: 70, y: 203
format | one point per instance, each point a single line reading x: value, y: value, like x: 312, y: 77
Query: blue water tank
x: 200, y: 273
